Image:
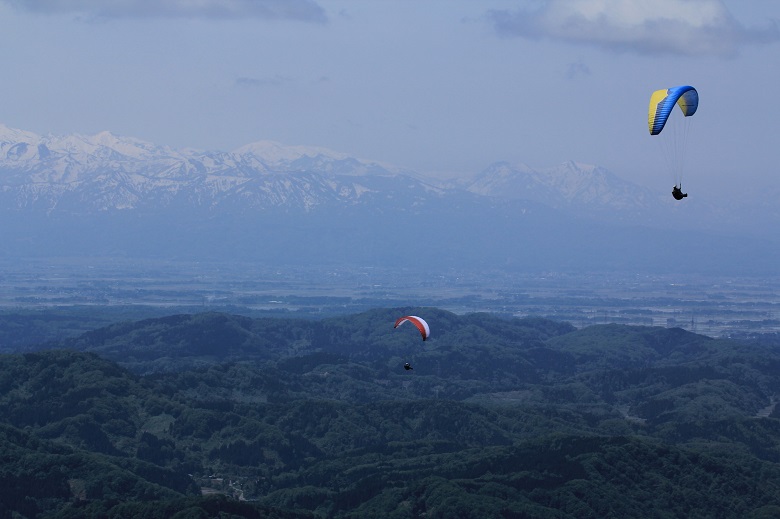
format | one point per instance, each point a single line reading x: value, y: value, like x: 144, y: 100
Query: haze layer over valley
x: 268, y: 221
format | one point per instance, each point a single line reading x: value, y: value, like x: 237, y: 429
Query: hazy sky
x: 431, y: 85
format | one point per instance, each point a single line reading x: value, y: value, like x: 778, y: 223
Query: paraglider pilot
x: 408, y: 366
x: 677, y: 192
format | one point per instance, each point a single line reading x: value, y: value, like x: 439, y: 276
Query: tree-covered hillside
x: 317, y: 418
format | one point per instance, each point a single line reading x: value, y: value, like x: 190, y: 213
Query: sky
x: 436, y: 86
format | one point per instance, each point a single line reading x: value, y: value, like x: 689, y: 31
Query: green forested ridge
x: 22, y: 328
x: 317, y: 418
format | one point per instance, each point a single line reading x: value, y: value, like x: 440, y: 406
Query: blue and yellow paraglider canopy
x: 662, y: 103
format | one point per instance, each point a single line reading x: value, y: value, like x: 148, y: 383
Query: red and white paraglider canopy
x: 419, y: 322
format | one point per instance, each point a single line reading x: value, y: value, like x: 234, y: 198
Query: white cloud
x: 690, y: 27
x: 302, y: 10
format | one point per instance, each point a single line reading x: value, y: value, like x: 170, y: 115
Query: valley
x: 708, y: 305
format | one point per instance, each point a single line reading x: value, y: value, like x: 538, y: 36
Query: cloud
x: 300, y: 10
x: 689, y: 27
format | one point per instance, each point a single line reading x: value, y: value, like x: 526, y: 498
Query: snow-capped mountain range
x: 106, y: 172
x: 105, y: 194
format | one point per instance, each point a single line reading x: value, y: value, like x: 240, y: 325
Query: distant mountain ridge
x: 568, y: 184
x: 120, y: 172
x: 105, y: 172
x: 107, y: 195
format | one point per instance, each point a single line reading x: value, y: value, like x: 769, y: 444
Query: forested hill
x: 499, y: 418
x: 172, y: 343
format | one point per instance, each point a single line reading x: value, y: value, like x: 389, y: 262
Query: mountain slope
x: 475, y: 356
x: 500, y: 418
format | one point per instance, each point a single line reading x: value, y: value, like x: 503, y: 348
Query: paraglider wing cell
x: 662, y: 103
x: 419, y: 322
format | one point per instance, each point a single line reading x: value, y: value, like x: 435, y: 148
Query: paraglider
x: 675, y: 139
x: 421, y: 326
x: 419, y: 322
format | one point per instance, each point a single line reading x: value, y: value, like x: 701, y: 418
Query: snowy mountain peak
x: 18, y: 147
x: 13, y: 136
x: 127, y: 146
x: 105, y: 144
x: 569, y: 184
x: 577, y: 168
x: 274, y: 153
